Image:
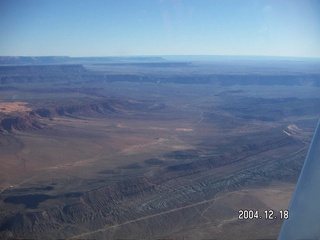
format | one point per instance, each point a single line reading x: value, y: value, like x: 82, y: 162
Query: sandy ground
x: 9, y: 107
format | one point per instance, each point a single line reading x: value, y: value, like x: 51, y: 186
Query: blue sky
x: 160, y: 27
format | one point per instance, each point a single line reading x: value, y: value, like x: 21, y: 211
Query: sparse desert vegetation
x: 152, y: 150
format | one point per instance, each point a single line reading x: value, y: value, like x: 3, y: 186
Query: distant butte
x: 18, y: 116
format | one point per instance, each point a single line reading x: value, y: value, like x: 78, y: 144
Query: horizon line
x: 166, y: 55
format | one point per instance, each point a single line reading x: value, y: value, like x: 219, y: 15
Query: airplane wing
x: 304, y: 210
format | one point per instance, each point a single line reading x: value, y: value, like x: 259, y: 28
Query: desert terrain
x: 151, y: 148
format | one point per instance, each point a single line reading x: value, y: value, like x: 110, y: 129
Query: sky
x: 79, y: 28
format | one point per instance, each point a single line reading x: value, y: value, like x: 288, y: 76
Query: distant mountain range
x: 48, y: 60
x: 45, y: 60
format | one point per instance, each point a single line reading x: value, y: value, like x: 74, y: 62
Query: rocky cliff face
x: 32, y: 119
x: 41, y: 70
x: 82, y: 109
x: 19, y: 123
x: 41, y: 73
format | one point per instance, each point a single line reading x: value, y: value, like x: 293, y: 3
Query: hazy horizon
x: 177, y: 57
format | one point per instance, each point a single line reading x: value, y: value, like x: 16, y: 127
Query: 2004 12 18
x: 244, y: 214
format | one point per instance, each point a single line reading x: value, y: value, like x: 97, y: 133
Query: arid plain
x: 152, y: 149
